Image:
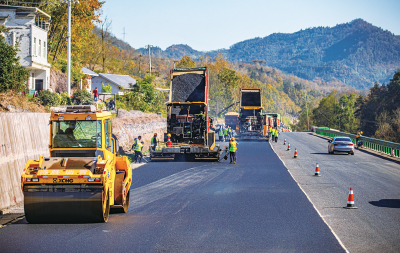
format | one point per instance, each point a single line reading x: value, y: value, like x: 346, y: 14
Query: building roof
x: 87, y: 71
x: 35, y: 10
x: 123, y: 81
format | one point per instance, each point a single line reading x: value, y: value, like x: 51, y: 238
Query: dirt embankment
x: 130, y: 124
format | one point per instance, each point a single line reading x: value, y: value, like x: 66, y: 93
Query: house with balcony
x: 27, y: 29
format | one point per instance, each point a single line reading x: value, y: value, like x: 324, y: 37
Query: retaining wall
x: 23, y: 136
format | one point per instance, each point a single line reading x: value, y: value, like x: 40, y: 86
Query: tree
x: 326, y: 112
x: 186, y: 62
x: 106, y: 89
x: 12, y: 75
x: 143, y: 97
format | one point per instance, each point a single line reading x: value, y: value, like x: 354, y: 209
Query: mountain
x: 356, y: 53
x: 174, y: 51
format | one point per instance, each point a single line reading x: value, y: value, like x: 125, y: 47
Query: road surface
x: 252, y: 206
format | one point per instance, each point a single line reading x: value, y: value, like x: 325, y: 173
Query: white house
x: 90, y: 75
x: 118, y: 83
x: 27, y: 29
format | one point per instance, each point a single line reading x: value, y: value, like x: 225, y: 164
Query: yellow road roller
x: 83, y: 177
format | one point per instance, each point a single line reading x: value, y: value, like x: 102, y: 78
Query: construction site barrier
x: 23, y: 136
x: 386, y: 147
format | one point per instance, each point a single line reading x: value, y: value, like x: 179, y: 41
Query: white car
x: 341, y: 144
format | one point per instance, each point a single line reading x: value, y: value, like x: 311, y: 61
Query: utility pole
x: 175, y: 61
x: 124, y: 34
x: 140, y: 61
x: 149, y: 57
x: 69, y: 51
x: 308, y: 121
x: 69, y: 46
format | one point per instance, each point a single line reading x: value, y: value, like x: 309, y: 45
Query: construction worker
x: 169, y: 142
x: 273, y: 134
x: 226, y: 133
x: 357, y: 137
x: 232, y: 149
x: 154, y: 142
x: 276, y: 135
x: 220, y: 134
x: 136, y: 141
x: 138, y: 152
x: 270, y: 133
x: 69, y: 134
x: 229, y: 131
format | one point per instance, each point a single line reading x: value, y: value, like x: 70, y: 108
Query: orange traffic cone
x: 284, y: 143
x: 288, y: 147
x: 393, y: 152
x: 317, y: 171
x: 295, y: 153
x: 350, y: 201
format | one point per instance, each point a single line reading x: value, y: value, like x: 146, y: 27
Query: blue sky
x: 208, y: 25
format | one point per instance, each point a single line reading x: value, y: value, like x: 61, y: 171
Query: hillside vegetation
x: 377, y: 114
x: 356, y: 53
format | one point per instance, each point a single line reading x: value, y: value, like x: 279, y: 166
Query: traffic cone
x: 317, y: 171
x: 393, y: 152
x: 350, y: 201
x: 288, y: 147
x: 284, y: 143
x: 295, y: 153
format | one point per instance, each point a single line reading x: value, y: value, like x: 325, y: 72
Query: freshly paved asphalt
x: 252, y: 206
x: 375, y: 225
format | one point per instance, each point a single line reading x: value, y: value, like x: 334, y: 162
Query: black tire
x: 125, y: 207
x: 105, y: 210
x: 352, y: 153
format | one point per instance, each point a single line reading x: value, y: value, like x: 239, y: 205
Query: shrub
x: 64, y: 99
x: 48, y: 98
x: 82, y: 97
x: 106, y: 89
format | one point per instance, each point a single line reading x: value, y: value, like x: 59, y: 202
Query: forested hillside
x: 356, y: 53
x: 377, y: 114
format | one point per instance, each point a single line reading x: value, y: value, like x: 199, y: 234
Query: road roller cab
x: 83, y: 177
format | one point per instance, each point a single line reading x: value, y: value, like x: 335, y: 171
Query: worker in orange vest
x: 357, y: 137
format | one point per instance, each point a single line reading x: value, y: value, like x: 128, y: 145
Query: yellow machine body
x: 83, y: 177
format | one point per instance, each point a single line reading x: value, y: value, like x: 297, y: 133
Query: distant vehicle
x: 341, y: 144
x: 232, y: 120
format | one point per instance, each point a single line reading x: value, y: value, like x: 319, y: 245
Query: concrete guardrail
x: 386, y: 147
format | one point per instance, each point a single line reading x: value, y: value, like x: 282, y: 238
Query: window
x: 34, y: 46
x: 44, y: 50
x: 76, y: 134
x: 40, y: 48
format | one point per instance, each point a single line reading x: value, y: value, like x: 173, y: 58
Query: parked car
x: 341, y: 144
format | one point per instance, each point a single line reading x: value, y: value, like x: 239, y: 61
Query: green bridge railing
x: 386, y: 147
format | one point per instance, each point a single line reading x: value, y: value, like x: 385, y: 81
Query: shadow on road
x: 329, y: 154
x: 377, y: 155
x: 391, y: 203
